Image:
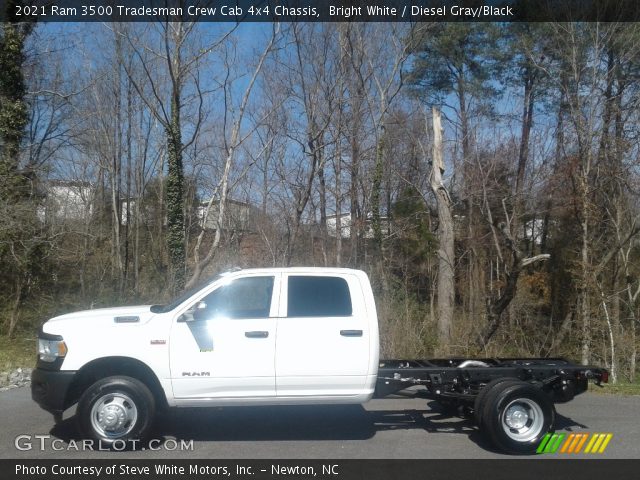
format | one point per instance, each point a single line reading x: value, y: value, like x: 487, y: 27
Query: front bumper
x: 49, y: 389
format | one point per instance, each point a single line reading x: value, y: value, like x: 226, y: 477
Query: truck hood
x: 101, y: 316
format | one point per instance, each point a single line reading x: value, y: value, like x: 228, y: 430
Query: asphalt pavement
x: 391, y: 428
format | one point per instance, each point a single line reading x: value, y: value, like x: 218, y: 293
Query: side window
x: 318, y: 297
x: 248, y: 297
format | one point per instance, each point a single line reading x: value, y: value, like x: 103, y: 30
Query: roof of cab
x: 314, y: 270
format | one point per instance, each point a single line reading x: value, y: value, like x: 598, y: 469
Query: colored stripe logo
x: 574, y: 443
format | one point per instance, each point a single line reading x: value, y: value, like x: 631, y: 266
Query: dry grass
x: 620, y: 388
x: 17, y: 352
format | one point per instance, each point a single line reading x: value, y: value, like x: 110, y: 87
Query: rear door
x: 224, y: 344
x: 322, y: 344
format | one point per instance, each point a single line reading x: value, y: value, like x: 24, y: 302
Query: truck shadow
x: 302, y: 423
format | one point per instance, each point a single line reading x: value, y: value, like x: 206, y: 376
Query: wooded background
x: 138, y: 159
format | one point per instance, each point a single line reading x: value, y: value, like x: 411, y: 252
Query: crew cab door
x: 322, y: 347
x: 223, y: 344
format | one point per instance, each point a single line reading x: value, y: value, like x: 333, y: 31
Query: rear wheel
x: 116, y: 411
x: 516, y: 416
x: 478, y: 405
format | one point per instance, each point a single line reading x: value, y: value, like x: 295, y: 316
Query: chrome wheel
x: 114, y: 415
x: 522, y: 420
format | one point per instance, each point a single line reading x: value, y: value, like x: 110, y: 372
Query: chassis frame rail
x: 459, y: 380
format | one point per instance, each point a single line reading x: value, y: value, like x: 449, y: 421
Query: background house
x: 66, y: 200
x: 238, y: 215
x: 345, y: 225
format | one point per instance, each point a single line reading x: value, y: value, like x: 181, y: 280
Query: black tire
x: 117, y: 412
x: 478, y: 405
x: 532, y: 417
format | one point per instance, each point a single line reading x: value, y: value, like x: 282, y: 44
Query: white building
x: 237, y: 215
x: 345, y: 225
x: 66, y: 200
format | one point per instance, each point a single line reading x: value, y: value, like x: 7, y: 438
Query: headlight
x: 49, y: 350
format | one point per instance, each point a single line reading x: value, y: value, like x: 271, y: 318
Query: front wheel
x: 116, y: 411
x: 516, y: 416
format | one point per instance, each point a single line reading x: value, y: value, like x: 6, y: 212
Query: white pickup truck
x: 274, y: 336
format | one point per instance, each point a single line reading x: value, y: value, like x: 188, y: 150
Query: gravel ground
x: 19, y: 377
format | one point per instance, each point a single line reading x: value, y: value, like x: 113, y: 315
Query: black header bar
x: 320, y: 10
x: 330, y: 469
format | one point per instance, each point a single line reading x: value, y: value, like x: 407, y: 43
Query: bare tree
x: 180, y: 60
x: 446, y: 260
x: 231, y: 144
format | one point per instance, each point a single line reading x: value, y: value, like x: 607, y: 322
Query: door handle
x: 256, y: 334
x: 351, y: 333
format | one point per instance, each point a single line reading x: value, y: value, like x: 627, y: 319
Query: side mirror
x: 196, y: 312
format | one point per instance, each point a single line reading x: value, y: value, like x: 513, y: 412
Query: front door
x: 223, y: 346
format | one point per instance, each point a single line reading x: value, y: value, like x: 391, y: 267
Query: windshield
x: 182, y: 297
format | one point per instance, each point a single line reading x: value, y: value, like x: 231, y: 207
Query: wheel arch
x: 114, y: 365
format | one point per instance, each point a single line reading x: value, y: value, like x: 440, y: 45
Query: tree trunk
x: 583, y: 303
x: 338, y: 175
x: 175, y: 172
x: 376, y: 189
x: 612, y: 345
x: 474, y: 276
x: 446, y: 275
x: 15, y: 309
x: 175, y: 200
x: 354, y: 232
x: 634, y: 353
x: 323, y: 213
x: 583, y: 297
x: 523, y: 154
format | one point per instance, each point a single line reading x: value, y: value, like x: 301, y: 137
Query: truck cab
x: 247, y: 337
